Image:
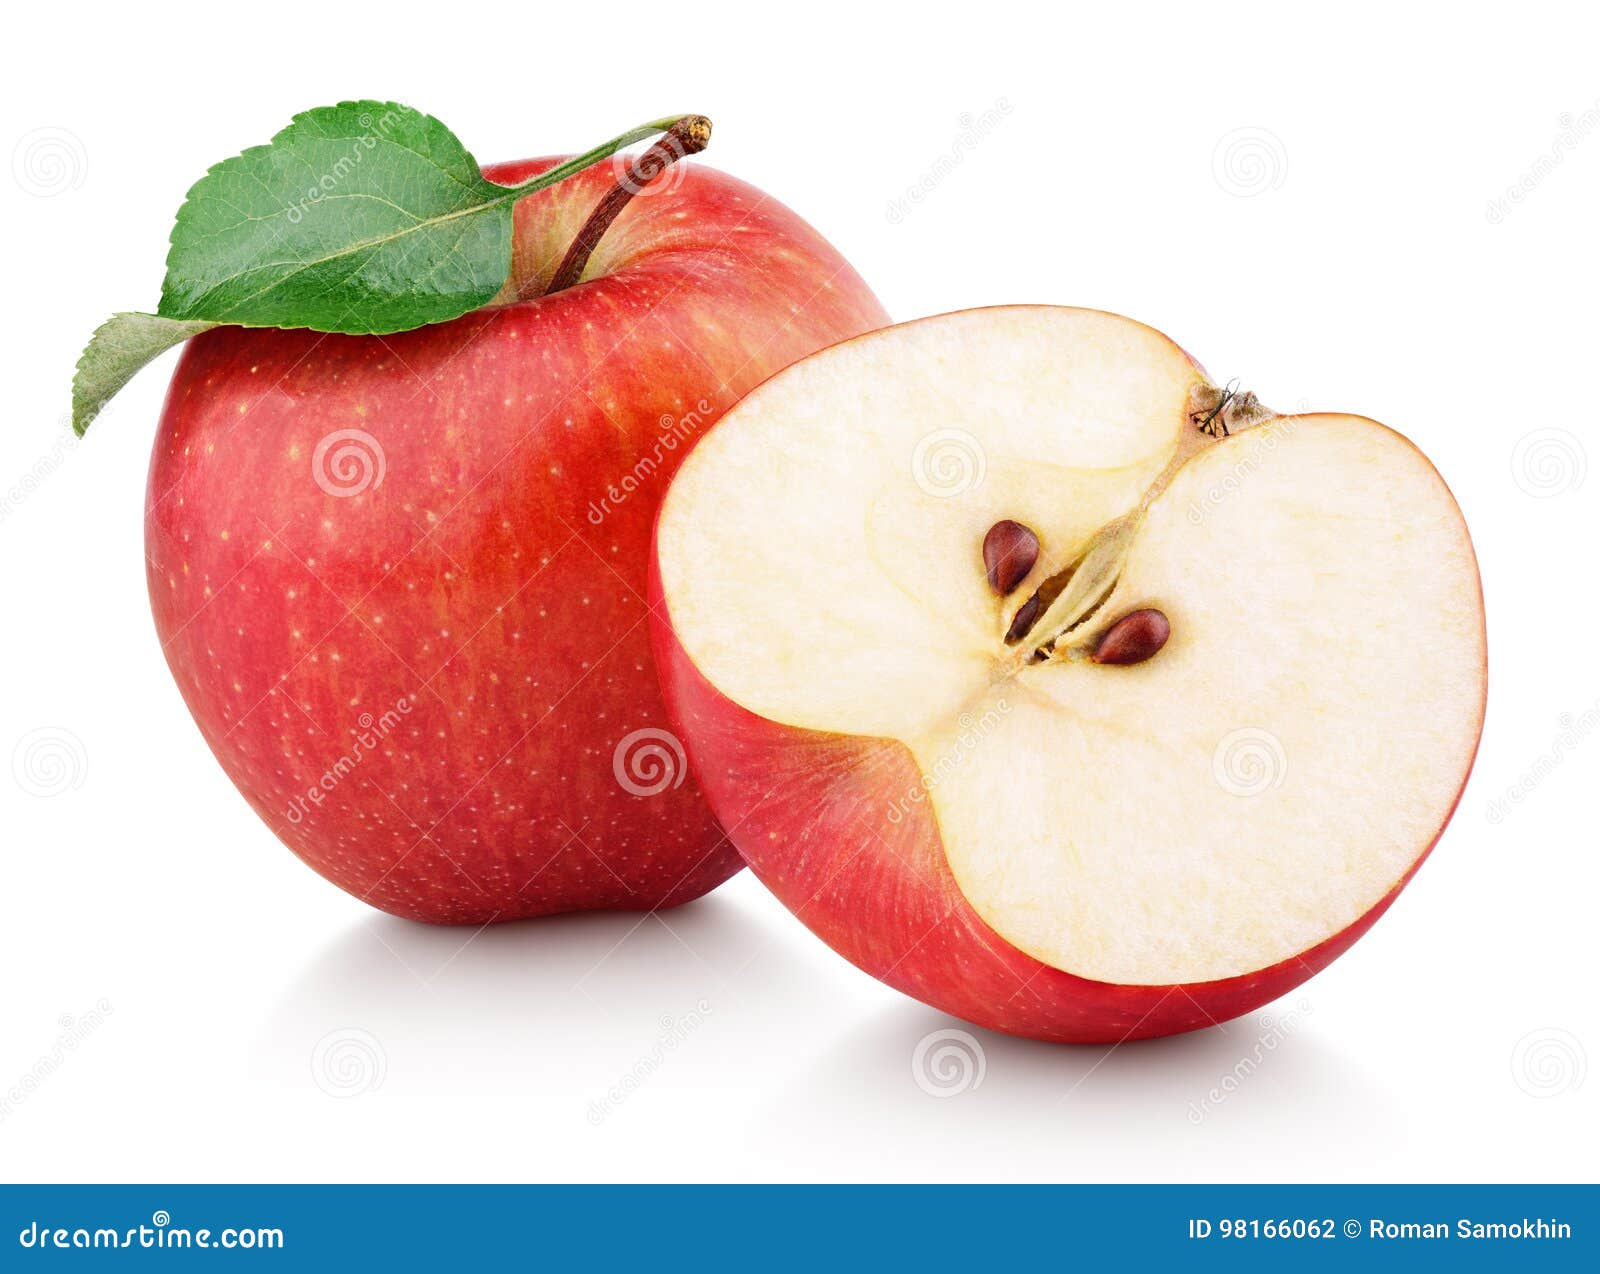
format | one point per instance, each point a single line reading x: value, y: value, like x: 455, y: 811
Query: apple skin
x: 808, y: 810
x: 421, y: 685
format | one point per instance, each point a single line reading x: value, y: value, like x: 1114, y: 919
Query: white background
x: 1302, y: 197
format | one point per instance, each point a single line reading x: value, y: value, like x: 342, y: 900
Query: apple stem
x: 689, y: 136
x: 1222, y: 412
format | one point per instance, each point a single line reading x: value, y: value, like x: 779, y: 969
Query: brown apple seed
x: 1133, y: 638
x: 1009, y: 552
x: 1023, y: 620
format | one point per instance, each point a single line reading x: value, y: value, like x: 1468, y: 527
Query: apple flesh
x: 1008, y: 829
x: 400, y: 581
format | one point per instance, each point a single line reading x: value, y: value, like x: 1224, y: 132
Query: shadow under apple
x: 559, y: 1005
x: 922, y: 1095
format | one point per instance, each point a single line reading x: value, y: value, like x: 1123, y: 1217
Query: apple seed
x: 1022, y: 621
x: 1133, y: 638
x: 1009, y: 552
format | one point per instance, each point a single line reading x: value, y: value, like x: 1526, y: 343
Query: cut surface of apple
x: 1230, y: 803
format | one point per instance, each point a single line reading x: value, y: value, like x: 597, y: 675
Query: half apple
x: 979, y: 779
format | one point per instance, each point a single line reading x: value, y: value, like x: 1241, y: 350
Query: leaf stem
x: 603, y: 151
x: 687, y: 135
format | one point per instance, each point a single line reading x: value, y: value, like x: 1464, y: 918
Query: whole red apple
x: 401, y: 580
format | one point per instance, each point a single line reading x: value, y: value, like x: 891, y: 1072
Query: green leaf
x: 361, y: 217
x: 120, y: 347
x: 366, y: 217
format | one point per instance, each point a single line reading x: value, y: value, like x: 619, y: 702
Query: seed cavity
x: 1009, y: 553
x: 1133, y: 638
